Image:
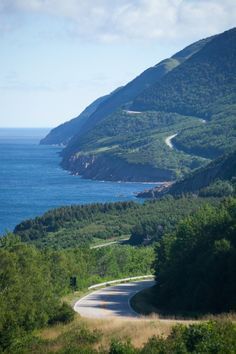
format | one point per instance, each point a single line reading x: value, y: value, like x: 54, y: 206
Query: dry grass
x: 137, y: 330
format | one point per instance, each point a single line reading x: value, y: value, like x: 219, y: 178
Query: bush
x: 65, y: 314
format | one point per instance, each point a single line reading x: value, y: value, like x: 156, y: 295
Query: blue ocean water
x: 31, y: 180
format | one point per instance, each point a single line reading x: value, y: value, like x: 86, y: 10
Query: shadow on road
x: 114, y: 299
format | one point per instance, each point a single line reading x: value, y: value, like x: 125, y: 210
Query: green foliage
x: 198, y: 261
x: 212, y: 139
x: 201, y: 87
x: 218, y: 189
x: 201, y: 83
x: 65, y: 314
x: 207, y: 179
x: 33, y: 281
x: 75, y: 226
x: 118, y: 347
x: 27, y: 297
x: 78, y: 225
x: 137, y: 139
x: 216, y: 337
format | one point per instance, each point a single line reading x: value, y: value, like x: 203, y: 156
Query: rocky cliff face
x: 105, y: 167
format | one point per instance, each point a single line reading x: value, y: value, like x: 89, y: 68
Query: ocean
x: 32, y: 181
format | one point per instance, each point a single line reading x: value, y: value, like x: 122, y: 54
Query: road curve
x: 113, y: 301
x: 168, y: 140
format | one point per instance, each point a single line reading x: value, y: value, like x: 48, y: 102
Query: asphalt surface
x: 168, y: 140
x: 112, y: 301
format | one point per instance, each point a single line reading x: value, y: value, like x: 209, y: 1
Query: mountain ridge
x: 193, y: 100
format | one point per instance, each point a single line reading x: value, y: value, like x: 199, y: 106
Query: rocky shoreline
x: 113, y: 168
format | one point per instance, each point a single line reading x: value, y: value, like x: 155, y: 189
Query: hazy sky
x: 59, y: 55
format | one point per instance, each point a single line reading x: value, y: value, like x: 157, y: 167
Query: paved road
x: 168, y: 140
x: 110, y: 243
x: 112, y: 301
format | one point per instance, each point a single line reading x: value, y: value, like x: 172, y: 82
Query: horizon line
x: 26, y: 127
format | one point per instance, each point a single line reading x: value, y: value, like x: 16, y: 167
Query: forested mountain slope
x: 195, y: 102
x: 189, y: 99
x: 205, y: 80
x: 223, y: 168
x: 204, y: 86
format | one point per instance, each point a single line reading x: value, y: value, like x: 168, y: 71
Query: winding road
x: 168, y: 140
x: 113, y: 301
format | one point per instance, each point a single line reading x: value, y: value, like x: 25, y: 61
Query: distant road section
x: 119, y: 242
x: 113, y: 301
x: 168, y: 140
x: 132, y: 112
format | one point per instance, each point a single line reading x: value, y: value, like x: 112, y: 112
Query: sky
x: 57, y: 56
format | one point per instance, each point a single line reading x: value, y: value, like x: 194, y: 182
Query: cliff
x: 108, y: 167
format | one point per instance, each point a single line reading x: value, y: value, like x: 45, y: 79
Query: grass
x: 138, y: 331
x: 99, y: 333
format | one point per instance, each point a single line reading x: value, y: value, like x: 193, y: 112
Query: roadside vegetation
x: 33, y: 282
x: 195, y: 266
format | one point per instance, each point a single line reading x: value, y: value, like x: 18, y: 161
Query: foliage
x: 32, y: 282
x: 211, y: 337
x: 201, y: 87
x: 198, y: 261
x: 65, y: 314
x: 81, y: 225
x: 218, y: 189
x: 137, y: 139
x: 218, y: 337
x: 28, y: 299
x: 204, y: 179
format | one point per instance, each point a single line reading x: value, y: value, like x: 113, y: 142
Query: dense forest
x: 200, y: 85
x: 198, y: 261
x: 75, y: 226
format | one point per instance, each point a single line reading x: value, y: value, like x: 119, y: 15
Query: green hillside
x: 132, y: 147
x: 193, y: 105
x: 172, y: 119
x: 221, y: 169
x: 204, y: 87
